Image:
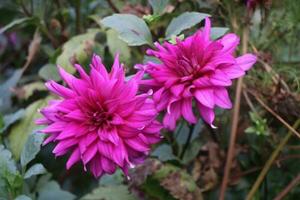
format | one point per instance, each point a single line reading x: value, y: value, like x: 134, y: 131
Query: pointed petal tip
x: 131, y: 165
x: 213, y: 126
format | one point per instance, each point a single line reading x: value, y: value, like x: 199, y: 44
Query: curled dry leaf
x: 33, y: 49
x: 210, y: 164
x: 173, y: 179
x: 178, y: 185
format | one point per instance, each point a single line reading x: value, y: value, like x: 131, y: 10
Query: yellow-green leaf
x: 19, y: 132
x: 79, y: 49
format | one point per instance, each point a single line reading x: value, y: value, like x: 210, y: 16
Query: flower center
x: 99, y: 118
x: 190, y: 69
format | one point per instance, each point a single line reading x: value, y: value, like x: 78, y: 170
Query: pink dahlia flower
x: 100, y: 119
x: 198, y: 70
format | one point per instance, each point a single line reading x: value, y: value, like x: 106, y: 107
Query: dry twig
x: 288, y: 188
x: 112, y: 6
x: 269, y: 163
x: 261, y: 102
x: 275, y: 77
x: 235, y: 119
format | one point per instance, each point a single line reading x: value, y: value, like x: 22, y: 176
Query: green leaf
x: 113, y: 179
x: 23, y: 197
x: 217, y: 32
x: 51, y: 190
x: 182, y: 133
x: 110, y: 193
x: 20, y: 131
x: 30, y: 88
x: 15, y: 23
x: 10, y: 178
x: 184, y: 21
x: 35, y: 170
x: 39, y: 8
x: 181, y: 136
x: 5, y: 90
x: 49, y: 72
x: 131, y: 29
x: 153, y: 190
x: 11, y: 119
x: 78, y: 50
x: 164, y: 153
x: 117, y: 46
x: 192, y: 150
x: 31, y: 148
x: 250, y: 130
x: 158, y: 6
x: 6, y: 161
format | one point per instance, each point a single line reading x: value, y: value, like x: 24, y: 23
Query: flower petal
x: 187, y: 110
x: 205, y: 96
x: 246, y: 61
x: 207, y: 113
x: 233, y: 71
x: 107, y: 165
x: 222, y: 98
x: 219, y: 78
x: 74, y: 158
x: 89, y: 153
x: 59, y: 90
x: 230, y: 42
x: 95, y: 166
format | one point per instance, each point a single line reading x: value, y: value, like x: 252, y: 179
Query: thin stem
x: 235, y: 119
x: 270, y: 162
x: 25, y: 10
x: 261, y: 102
x: 45, y: 30
x: 212, y: 133
x: 249, y: 102
x: 112, y: 6
x: 186, y: 145
x: 169, y: 137
x: 59, y: 7
x: 288, y: 188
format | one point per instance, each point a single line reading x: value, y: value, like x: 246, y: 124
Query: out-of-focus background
x: 36, y: 35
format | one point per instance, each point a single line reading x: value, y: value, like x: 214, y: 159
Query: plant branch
x: 261, y: 102
x: 270, y: 162
x: 249, y: 102
x: 235, y: 119
x: 25, y: 10
x: 288, y: 188
x: 45, y: 30
x: 186, y: 145
x: 112, y: 6
x: 275, y: 76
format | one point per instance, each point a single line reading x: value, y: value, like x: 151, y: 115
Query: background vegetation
x: 257, y: 159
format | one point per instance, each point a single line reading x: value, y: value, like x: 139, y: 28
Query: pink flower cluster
x: 106, y: 122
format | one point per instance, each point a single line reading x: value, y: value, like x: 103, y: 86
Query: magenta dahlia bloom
x: 100, y: 119
x: 198, y: 70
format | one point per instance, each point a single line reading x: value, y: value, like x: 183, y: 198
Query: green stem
x: 45, y: 30
x: 270, y: 162
x: 192, y: 127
